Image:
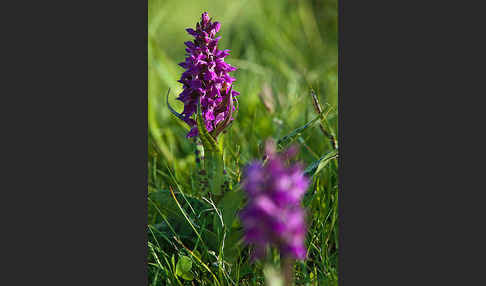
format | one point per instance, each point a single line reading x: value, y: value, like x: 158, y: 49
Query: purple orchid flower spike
x: 206, y: 80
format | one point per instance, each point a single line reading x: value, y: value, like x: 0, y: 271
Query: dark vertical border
x: 403, y: 189
x: 145, y: 150
x: 83, y: 185
x: 341, y: 140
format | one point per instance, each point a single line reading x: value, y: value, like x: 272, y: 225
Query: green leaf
x: 186, y: 263
x: 315, y: 167
x: 229, y: 205
x: 214, y: 165
x: 232, y: 247
x: 187, y: 276
x: 183, y: 268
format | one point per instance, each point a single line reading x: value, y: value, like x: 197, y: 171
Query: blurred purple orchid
x: 274, y: 214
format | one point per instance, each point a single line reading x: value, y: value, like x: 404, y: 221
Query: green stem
x: 287, y: 268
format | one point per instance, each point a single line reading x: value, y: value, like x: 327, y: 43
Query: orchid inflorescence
x: 206, y: 80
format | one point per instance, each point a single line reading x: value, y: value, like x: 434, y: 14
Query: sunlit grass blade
x: 315, y: 167
x: 286, y: 140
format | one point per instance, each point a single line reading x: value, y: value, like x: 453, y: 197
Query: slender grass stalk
x: 287, y: 268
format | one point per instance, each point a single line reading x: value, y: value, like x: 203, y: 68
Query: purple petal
x: 205, y: 18
x: 192, y: 32
x: 216, y: 26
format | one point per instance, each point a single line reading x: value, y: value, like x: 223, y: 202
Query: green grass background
x: 282, y: 50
